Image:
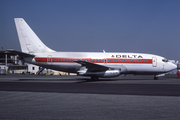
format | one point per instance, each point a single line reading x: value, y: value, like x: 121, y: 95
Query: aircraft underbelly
x: 143, y: 69
x: 73, y: 67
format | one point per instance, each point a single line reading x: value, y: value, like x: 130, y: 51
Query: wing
x: 92, y: 66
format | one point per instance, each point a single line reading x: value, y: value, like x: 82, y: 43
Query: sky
x: 143, y: 26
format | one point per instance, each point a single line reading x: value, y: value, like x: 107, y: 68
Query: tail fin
x: 29, y: 41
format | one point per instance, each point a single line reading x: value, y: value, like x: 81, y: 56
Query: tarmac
x: 27, y: 97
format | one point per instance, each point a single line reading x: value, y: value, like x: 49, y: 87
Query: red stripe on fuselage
x: 107, y: 60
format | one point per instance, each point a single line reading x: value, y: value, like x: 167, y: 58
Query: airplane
x: 92, y: 64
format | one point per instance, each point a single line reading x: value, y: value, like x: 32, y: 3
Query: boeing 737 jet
x: 92, y: 64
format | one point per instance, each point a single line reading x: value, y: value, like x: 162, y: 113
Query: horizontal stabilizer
x: 14, y: 52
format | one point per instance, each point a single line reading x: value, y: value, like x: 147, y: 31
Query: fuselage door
x: 154, y: 61
x: 105, y: 60
x: 49, y: 59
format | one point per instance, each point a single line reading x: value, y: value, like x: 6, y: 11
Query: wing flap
x: 14, y: 52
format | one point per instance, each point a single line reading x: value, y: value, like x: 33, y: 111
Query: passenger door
x: 105, y: 60
x: 154, y: 61
x: 49, y: 59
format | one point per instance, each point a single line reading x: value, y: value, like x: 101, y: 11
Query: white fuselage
x: 135, y: 63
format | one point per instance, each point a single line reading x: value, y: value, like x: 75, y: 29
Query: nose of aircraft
x: 171, y: 66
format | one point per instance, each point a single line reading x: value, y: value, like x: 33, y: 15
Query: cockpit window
x: 165, y: 60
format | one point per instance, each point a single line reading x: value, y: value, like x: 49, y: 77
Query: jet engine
x: 108, y: 73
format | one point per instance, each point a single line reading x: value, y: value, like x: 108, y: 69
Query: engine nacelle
x: 108, y: 73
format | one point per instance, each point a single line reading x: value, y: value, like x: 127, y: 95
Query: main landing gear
x: 94, y: 78
x: 155, y: 77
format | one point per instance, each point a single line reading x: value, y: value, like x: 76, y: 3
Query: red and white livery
x: 93, y: 64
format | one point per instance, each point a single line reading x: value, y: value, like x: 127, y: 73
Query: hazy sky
x: 145, y: 26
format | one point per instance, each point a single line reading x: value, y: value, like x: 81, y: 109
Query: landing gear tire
x: 94, y: 78
x: 155, y: 78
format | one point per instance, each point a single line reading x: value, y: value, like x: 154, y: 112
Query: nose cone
x: 171, y: 66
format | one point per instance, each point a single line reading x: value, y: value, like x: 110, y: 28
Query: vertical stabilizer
x: 29, y: 41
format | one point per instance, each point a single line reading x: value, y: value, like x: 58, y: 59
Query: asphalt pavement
x: 27, y: 97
